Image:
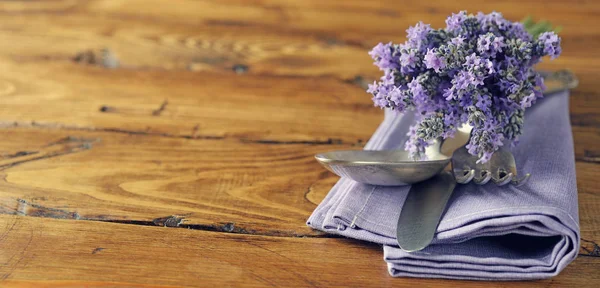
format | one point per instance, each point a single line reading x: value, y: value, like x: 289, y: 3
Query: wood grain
x: 212, y: 184
x: 118, y: 117
x: 81, y: 253
x: 114, y: 176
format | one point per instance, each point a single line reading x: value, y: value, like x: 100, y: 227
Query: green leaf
x: 537, y: 28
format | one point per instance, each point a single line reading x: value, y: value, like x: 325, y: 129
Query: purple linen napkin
x: 487, y: 232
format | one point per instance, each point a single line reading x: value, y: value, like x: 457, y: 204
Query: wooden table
x: 170, y: 143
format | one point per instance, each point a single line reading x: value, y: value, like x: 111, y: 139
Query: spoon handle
x: 422, y: 211
x: 558, y: 81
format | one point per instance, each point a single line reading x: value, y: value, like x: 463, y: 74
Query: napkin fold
x: 487, y: 232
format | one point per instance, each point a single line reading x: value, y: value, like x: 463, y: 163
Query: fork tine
x: 483, y: 177
x: 519, y: 182
x: 464, y: 176
x: 501, y: 181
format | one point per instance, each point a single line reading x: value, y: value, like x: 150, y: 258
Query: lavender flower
x: 458, y: 40
x: 418, y: 34
x: 383, y: 54
x: 434, y: 61
x: 454, y: 22
x: 478, y: 70
x: 550, y: 43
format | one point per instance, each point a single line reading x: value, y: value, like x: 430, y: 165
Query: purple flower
x: 372, y: 88
x: 383, y: 54
x: 489, y: 44
x: 458, y: 40
x: 483, y: 103
x: 434, y: 61
x: 388, y: 77
x: 397, y: 96
x: 477, y: 70
x: 517, y: 30
x: 472, y: 60
x: 454, y: 22
x: 539, y: 81
x: 528, y: 100
x: 380, y: 98
x: 551, y: 43
x: 484, y: 42
x: 487, y: 155
x: 417, y: 90
x: 497, y: 44
x: 417, y: 34
x: 493, y: 21
x: 409, y: 60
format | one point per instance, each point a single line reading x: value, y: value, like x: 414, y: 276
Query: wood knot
x: 169, y: 221
x: 240, y: 68
x: 101, y: 57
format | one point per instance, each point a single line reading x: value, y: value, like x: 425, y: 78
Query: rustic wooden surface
x: 166, y: 143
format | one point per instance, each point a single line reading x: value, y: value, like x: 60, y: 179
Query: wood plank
x: 68, y: 253
x: 209, y: 121
x: 194, y: 105
x: 223, y: 184
x: 251, y: 187
x: 205, y: 105
x: 282, y: 38
x: 298, y: 99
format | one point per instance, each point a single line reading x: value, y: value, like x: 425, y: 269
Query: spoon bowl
x: 385, y: 168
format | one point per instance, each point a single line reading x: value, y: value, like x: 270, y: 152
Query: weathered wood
x: 78, y: 253
x: 196, y: 105
x: 205, y: 115
x: 224, y: 184
x: 212, y: 184
x: 206, y: 105
x: 281, y: 38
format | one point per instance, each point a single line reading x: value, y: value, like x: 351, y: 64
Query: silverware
x: 560, y: 80
x: 385, y: 168
x: 501, y: 168
x: 392, y: 167
x: 426, y: 201
x: 422, y: 211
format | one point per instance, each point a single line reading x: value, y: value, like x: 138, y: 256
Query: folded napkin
x: 487, y: 232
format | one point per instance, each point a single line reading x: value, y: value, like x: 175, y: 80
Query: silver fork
x: 501, y: 168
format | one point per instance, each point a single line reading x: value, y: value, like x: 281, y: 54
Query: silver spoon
x: 392, y: 167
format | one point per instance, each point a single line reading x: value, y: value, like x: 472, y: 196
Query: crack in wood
x: 228, y: 227
x: 240, y: 68
x: 329, y: 141
x: 102, y: 57
x: 97, y: 249
x: 169, y: 221
x: 19, y: 154
x: 590, y: 156
x: 27, y: 209
x: 593, y: 251
x: 108, y: 109
x: 160, y: 109
x: 195, y: 130
x: 65, y: 146
x: 193, y: 136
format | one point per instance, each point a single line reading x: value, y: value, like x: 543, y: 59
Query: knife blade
x: 423, y: 210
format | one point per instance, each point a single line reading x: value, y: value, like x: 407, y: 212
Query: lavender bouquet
x: 476, y: 71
